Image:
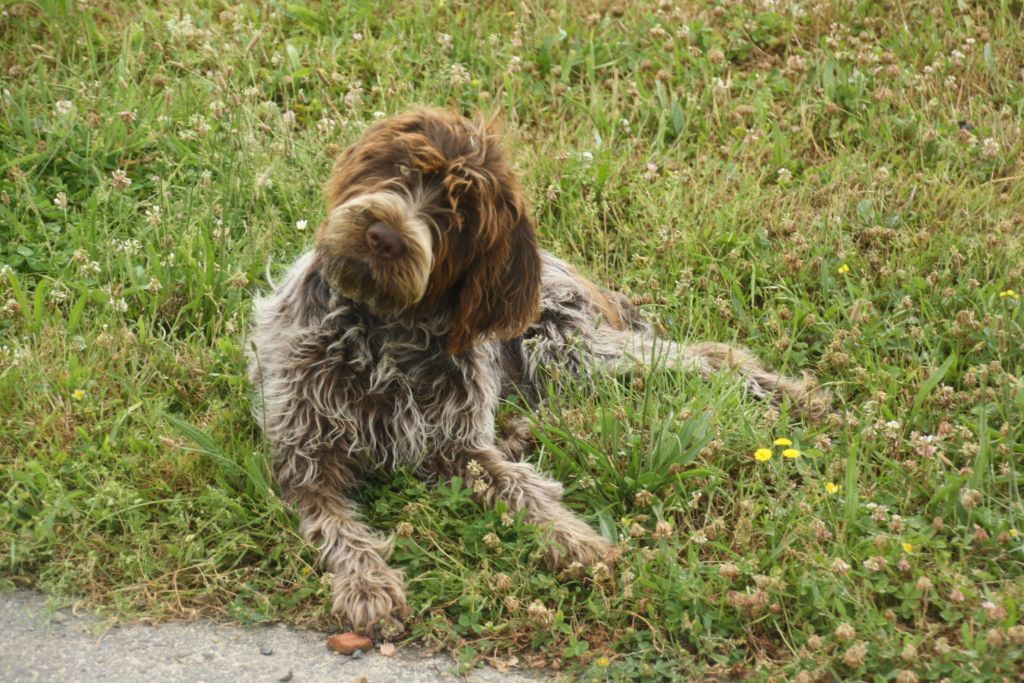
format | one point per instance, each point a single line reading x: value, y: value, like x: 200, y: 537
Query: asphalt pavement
x: 38, y: 643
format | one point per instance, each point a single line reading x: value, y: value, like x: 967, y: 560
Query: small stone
x: 387, y: 649
x: 349, y: 643
x: 358, y: 654
x: 286, y: 676
x: 266, y: 649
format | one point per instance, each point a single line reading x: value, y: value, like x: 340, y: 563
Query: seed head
x: 995, y: 637
x: 845, y: 632
x: 906, y: 676
x: 854, y: 655
x: 539, y: 614
x: 728, y: 570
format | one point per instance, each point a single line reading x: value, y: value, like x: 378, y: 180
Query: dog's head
x: 426, y: 218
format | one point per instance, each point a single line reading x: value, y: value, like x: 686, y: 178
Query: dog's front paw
x: 371, y: 602
x: 518, y: 439
x: 577, y: 542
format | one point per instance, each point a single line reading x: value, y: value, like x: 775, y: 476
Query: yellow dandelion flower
x: 1014, y: 533
x: 843, y: 269
x: 1009, y: 294
x: 791, y: 453
x: 78, y: 394
x: 603, y: 662
x: 782, y: 441
x: 831, y: 488
x: 762, y: 455
x: 908, y: 548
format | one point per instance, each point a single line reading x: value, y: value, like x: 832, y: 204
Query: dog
x: 390, y: 344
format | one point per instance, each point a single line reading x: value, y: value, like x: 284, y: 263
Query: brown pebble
x: 347, y: 643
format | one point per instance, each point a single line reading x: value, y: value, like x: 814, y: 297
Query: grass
x: 836, y: 185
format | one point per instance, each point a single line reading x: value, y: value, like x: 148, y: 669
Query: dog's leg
x: 518, y: 439
x: 369, y: 596
x: 623, y: 351
x: 494, y: 477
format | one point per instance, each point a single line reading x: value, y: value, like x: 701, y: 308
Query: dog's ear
x: 499, y: 295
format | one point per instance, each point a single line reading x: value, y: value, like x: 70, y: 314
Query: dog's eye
x: 404, y: 170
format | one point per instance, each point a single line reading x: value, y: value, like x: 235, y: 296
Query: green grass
x: 836, y: 185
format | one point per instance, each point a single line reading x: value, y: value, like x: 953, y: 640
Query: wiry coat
x: 391, y: 344
x: 335, y: 380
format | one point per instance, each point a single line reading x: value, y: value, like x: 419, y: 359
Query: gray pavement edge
x: 38, y: 643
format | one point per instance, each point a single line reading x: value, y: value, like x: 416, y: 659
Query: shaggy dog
x: 390, y: 344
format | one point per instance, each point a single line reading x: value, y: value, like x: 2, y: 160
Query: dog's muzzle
x: 378, y: 250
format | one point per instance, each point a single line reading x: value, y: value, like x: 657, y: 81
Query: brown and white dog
x: 425, y: 300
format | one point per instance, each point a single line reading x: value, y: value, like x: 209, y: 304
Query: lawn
x: 838, y: 186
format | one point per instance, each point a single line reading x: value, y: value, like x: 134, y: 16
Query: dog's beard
x: 388, y: 287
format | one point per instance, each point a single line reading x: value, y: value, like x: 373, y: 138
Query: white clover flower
x: 120, y: 179
x: 264, y: 179
x: 300, y: 225
x: 61, y: 200
x: 153, y: 216
x: 199, y: 125
x: 354, y: 94
x: 64, y: 107
x: 89, y: 268
x: 458, y: 75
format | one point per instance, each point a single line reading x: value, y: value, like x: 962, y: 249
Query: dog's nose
x: 383, y: 241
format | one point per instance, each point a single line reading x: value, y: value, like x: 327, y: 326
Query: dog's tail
x: 806, y: 395
x: 622, y: 351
